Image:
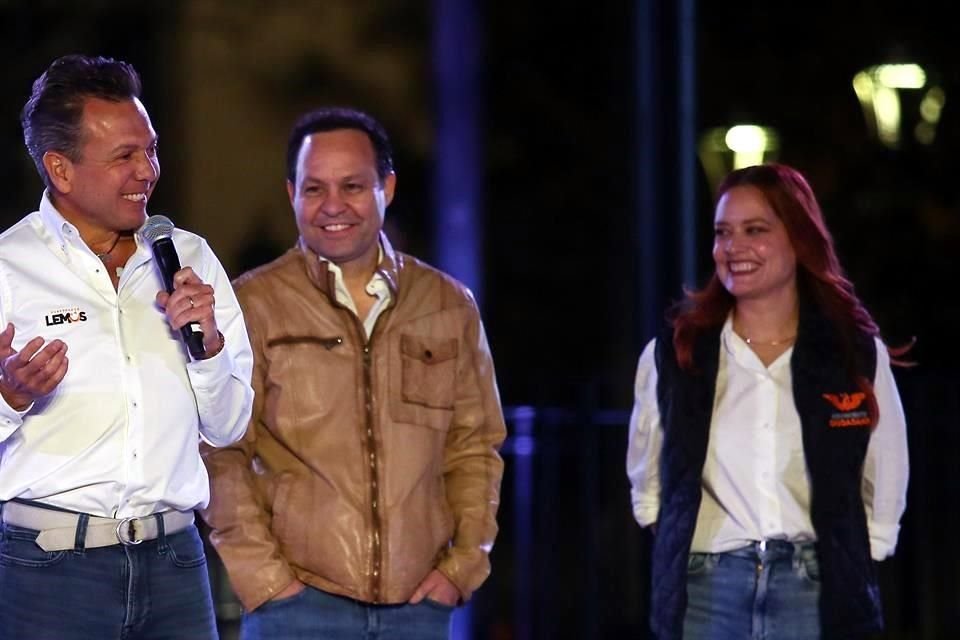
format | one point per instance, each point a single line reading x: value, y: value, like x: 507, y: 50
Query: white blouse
x: 755, y: 484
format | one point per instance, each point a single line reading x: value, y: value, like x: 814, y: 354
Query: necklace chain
x: 105, y: 255
x: 769, y: 343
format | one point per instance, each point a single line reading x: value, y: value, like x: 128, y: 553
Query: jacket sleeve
x: 237, y: 513
x: 472, y: 466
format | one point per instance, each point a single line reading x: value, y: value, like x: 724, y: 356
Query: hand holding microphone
x: 188, y: 302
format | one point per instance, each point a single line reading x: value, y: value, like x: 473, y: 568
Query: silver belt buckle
x: 131, y: 532
x: 762, y: 545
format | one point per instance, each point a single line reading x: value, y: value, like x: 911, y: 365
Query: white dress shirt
x: 755, y: 483
x: 119, y: 436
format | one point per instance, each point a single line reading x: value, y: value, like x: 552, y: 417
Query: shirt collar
x: 376, y: 286
x: 60, y: 230
x: 388, y: 268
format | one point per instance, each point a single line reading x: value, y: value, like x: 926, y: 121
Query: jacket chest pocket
x: 428, y: 370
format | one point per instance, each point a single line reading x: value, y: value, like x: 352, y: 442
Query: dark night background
x: 562, y: 221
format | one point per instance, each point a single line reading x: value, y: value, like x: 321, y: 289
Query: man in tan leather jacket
x: 363, y: 497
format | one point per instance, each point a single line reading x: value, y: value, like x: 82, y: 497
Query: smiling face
x: 338, y: 199
x: 753, y: 254
x: 107, y: 188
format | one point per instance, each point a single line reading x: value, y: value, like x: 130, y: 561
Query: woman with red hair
x: 767, y: 447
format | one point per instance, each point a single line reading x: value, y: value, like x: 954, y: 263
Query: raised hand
x: 32, y: 372
x: 192, y: 301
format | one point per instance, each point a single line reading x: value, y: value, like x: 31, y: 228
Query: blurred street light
x: 724, y: 149
x: 897, y: 98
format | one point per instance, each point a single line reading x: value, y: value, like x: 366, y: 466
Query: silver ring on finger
x: 192, y: 304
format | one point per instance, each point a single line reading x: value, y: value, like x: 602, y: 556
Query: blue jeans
x: 754, y: 594
x: 316, y: 615
x: 157, y: 590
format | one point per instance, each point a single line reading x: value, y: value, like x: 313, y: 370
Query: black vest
x: 834, y: 444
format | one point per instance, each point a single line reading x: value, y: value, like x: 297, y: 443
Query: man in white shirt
x: 103, y: 408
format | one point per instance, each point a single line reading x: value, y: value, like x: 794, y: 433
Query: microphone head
x: 154, y: 228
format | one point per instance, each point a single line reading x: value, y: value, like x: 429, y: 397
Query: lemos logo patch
x: 65, y: 316
x: 848, y: 412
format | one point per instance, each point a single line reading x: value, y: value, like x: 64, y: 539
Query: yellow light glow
x: 924, y: 133
x: 863, y: 86
x: 722, y: 150
x: 743, y: 159
x: 932, y: 104
x: 884, y: 89
x: 900, y: 76
x: 886, y: 106
x: 746, y: 138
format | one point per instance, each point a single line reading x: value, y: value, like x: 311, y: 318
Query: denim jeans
x: 754, y: 594
x: 316, y: 615
x: 156, y: 590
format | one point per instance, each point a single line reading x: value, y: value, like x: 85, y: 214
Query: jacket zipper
x: 375, y: 542
x: 376, y: 550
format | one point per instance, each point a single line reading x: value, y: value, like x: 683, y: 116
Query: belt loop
x: 80, y: 540
x: 161, y: 534
x: 798, y: 549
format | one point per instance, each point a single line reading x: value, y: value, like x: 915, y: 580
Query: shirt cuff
x: 213, y: 371
x: 10, y: 419
x: 883, y: 540
x: 645, y: 512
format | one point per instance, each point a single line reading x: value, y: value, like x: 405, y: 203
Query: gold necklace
x: 770, y: 343
x: 105, y: 256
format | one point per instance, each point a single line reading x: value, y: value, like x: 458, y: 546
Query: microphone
x: 157, y: 232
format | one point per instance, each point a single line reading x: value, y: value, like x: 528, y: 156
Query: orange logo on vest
x: 846, y: 401
x: 847, y: 405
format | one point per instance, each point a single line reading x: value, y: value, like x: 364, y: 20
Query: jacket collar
x: 391, y: 262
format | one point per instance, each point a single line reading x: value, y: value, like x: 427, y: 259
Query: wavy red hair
x: 819, y: 274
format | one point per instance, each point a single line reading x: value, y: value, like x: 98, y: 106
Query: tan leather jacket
x: 366, y: 464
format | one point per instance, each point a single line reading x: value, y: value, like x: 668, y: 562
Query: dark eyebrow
x: 132, y: 146
x: 747, y: 221
x: 124, y: 148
